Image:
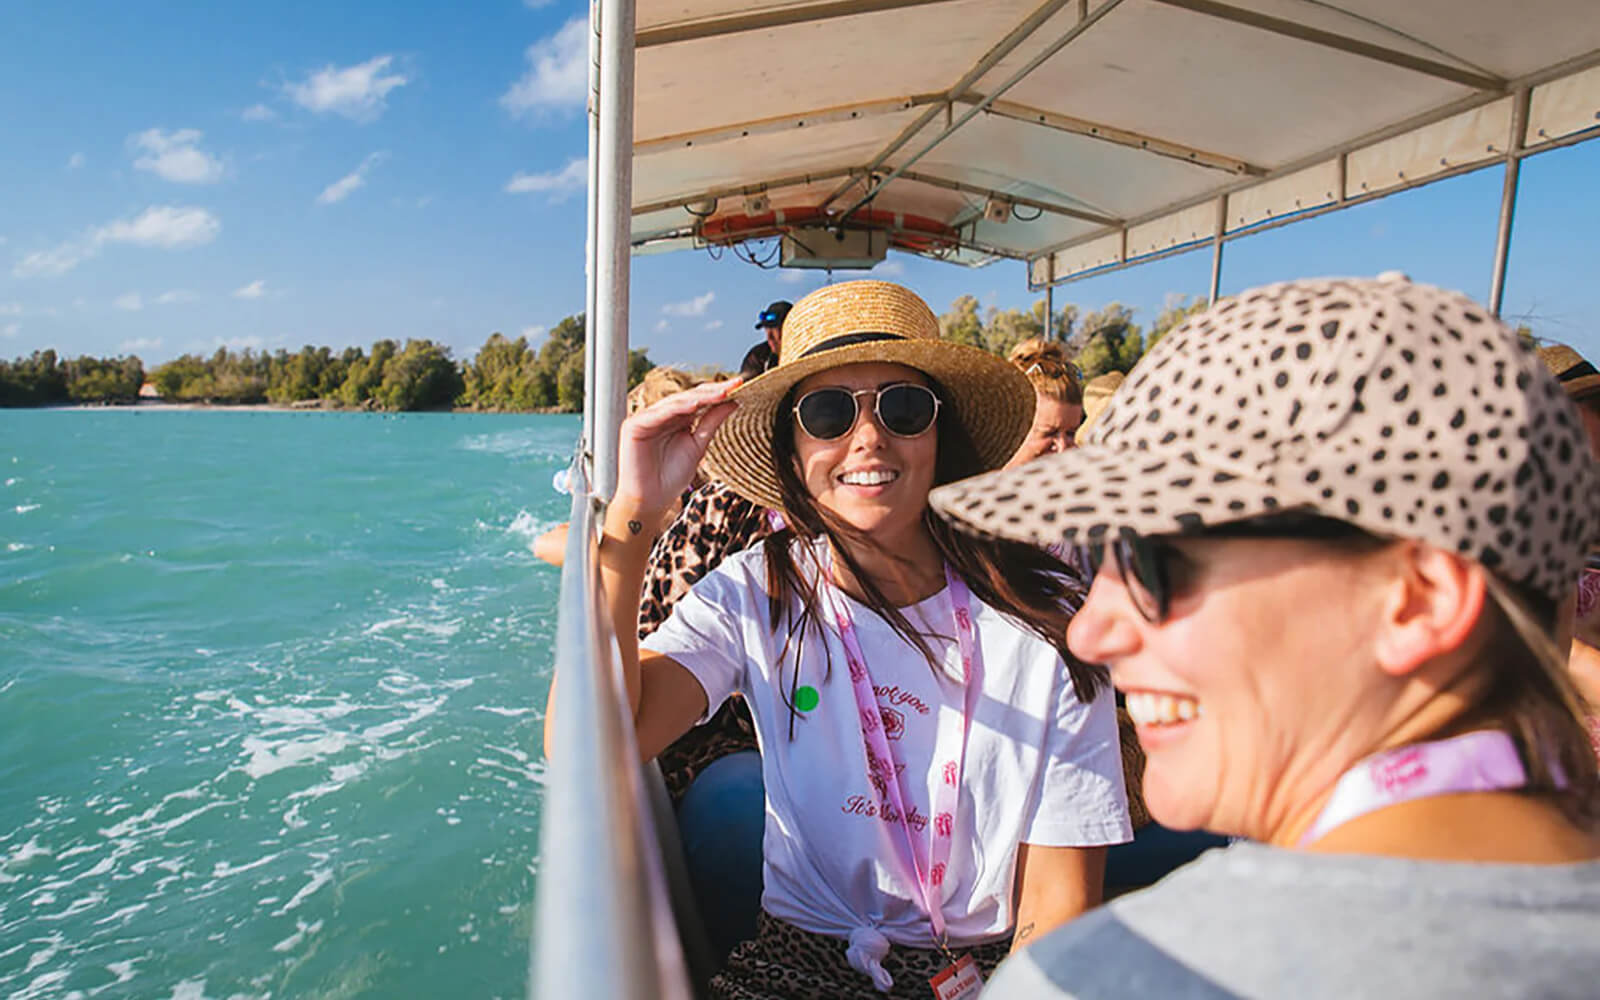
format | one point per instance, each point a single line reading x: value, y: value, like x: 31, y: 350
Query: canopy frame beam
x: 1054, y: 208
x: 760, y: 20
x: 1572, y: 66
x: 1049, y: 52
x: 1014, y: 38
x: 1475, y: 79
x: 1119, y: 136
x: 1508, y: 198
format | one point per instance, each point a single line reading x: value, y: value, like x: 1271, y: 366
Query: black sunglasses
x: 904, y: 409
x: 1155, y: 569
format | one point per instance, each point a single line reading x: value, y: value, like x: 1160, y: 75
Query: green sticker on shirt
x: 806, y: 698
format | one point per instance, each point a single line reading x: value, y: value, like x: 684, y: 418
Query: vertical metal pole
x: 591, y: 272
x: 614, y: 236
x: 1508, y: 198
x: 1050, y: 311
x: 1216, y: 251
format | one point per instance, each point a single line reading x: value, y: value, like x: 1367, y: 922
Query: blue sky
x: 182, y: 176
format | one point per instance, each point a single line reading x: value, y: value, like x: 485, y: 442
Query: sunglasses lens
x: 907, y: 410
x: 1143, y: 565
x: 827, y: 413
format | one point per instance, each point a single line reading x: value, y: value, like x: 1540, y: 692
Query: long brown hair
x: 1029, y: 585
x: 1533, y: 697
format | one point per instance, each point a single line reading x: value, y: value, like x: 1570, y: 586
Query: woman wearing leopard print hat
x: 1333, y: 522
x: 939, y: 772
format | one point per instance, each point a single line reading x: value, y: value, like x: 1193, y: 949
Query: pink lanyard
x: 1483, y: 761
x: 950, y: 745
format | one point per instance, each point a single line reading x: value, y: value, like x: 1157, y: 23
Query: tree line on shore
x: 506, y: 374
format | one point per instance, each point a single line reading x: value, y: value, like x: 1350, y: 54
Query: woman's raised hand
x: 661, y: 445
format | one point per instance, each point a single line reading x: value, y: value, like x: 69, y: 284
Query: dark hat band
x: 1582, y: 369
x: 849, y: 340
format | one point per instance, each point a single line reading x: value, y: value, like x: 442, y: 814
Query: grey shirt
x: 1255, y: 921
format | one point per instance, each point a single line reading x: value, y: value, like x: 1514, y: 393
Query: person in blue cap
x: 765, y: 354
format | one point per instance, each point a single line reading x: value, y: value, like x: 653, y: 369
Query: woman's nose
x: 1107, y: 626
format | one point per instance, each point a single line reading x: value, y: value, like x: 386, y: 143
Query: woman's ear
x: 1434, y: 601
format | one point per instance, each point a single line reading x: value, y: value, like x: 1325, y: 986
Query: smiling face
x: 872, y: 480
x: 1054, y: 424
x: 1256, y: 690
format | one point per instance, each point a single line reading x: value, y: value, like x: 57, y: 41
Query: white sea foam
x: 189, y: 989
x: 510, y: 713
x: 223, y: 869
x: 319, y: 878
x: 270, y: 756
x: 18, y: 546
x: 528, y: 527
x: 411, y: 625
x: 25, y: 508
x: 526, y: 444
x: 302, y: 929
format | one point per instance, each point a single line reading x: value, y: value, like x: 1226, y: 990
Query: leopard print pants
x: 783, y: 962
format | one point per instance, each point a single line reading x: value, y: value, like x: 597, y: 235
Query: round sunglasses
x: 904, y: 409
x: 1155, y: 570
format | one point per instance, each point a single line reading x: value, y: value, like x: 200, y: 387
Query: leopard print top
x: 715, y: 523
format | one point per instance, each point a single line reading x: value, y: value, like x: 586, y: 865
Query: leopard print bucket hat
x: 1401, y: 408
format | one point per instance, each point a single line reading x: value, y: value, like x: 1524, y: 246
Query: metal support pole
x: 1216, y: 251
x: 591, y: 207
x: 613, y: 232
x: 1050, y: 311
x: 1508, y: 198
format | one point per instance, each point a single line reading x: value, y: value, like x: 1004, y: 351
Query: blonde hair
x: 1046, y: 365
x: 658, y: 384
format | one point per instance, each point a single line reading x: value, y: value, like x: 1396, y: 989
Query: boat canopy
x: 1077, y: 135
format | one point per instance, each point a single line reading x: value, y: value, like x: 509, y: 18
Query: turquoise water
x: 271, y: 688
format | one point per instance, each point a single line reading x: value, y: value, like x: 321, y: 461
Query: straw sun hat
x: 868, y: 321
x: 1577, y: 376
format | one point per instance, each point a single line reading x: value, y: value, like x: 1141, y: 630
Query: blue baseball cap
x: 773, y: 315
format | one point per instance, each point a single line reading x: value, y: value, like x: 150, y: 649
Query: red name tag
x: 960, y: 981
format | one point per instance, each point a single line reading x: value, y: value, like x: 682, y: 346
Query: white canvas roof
x: 1098, y: 132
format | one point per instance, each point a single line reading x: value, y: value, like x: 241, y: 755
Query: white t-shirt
x: 1041, y: 767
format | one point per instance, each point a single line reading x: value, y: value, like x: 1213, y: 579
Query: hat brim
x: 1095, y: 491
x: 991, y: 397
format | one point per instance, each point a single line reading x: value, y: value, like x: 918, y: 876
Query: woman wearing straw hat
x: 939, y: 772
x: 1328, y: 586
x: 1057, y: 402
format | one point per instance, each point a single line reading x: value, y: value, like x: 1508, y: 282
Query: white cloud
x: 891, y: 269
x: 791, y: 276
x: 258, y: 113
x: 166, y: 226
x: 130, y: 302
x: 140, y: 344
x: 10, y: 309
x: 356, y: 92
x: 662, y: 326
x: 176, y: 156
x: 10, y: 329
x: 341, y: 189
x: 557, y: 78
x: 715, y: 324
x: 51, y: 263
x: 254, y: 290
x: 75, y: 161
x: 175, y: 297
x: 558, y: 184
x: 535, y: 331
x: 238, y: 343
x: 696, y: 306
x: 535, y: 4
